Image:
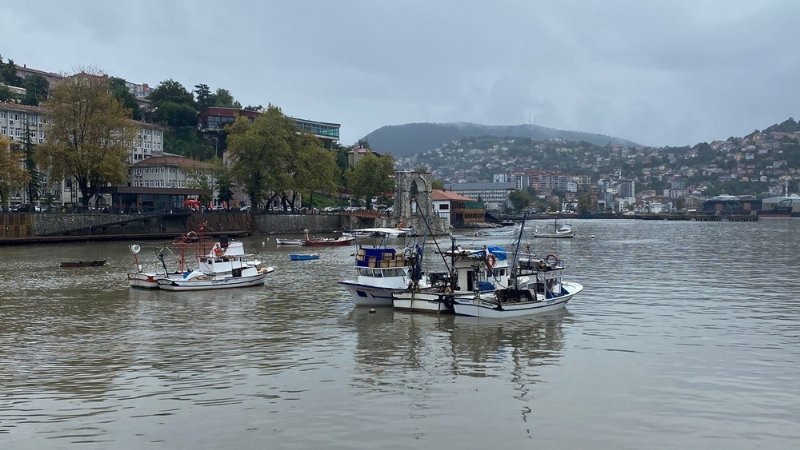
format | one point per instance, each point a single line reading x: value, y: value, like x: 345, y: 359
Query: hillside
x: 760, y: 163
x: 412, y: 138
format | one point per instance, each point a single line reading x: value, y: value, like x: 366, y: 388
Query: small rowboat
x: 303, y: 256
x: 71, y: 264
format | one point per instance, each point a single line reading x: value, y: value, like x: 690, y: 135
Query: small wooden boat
x: 279, y: 241
x: 303, y: 256
x: 330, y: 242
x: 71, y: 264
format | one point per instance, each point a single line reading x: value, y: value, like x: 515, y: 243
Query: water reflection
x: 391, y: 343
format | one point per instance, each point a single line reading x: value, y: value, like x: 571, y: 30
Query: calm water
x: 687, y: 336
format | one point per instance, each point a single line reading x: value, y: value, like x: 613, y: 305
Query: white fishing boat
x: 225, y: 266
x: 147, y: 278
x: 381, y: 270
x: 537, y: 287
x: 280, y: 241
x: 563, y: 230
x: 469, y: 270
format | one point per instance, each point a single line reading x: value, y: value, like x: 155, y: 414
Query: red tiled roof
x: 172, y: 161
x: 439, y: 195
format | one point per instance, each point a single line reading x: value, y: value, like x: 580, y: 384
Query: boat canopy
x: 373, y: 257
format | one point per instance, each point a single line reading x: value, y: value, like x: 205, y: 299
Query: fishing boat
x: 563, y: 230
x: 225, y: 266
x: 76, y: 264
x: 469, y: 270
x: 329, y: 242
x: 303, y: 256
x: 537, y: 287
x: 279, y: 241
x: 148, y: 278
x: 382, y: 269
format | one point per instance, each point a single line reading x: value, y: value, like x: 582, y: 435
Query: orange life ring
x: 491, y: 261
x: 551, y: 259
x: 218, y: 251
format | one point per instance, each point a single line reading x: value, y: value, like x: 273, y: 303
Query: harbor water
x: 686, y: 336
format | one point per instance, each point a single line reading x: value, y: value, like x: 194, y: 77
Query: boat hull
x: 203, y: 285
x: 302, y: 257
x: 298, y: 242
x: 328, y: 242
x: 481, y: 307
x: 422, y: 302
x: 364, y: 295
x: 78, y: 264
x: 570, y: 234
x: 148, y: 280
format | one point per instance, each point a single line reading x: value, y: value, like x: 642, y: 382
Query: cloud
x: 660, y: 73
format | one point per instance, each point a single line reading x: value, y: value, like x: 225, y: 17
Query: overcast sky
x: 656, y: 72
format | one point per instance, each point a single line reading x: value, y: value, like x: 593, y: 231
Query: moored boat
x: 329, y: 242
x: 76, y: 264
x: 382, y: 270
x: 280, y: 241
x: 470, y: 270
x: 148, y: 279
x: 537, y: 287
x: 303, y: 256
x: 225, y: 266
x: 559, y: 231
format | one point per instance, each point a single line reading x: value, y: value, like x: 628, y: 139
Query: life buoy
x: 491, y: 261
x: 551, y: 259
x: 190, y: 236
x: 218, y: 251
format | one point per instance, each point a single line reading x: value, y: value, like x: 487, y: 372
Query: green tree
x: 171, y: 91
x: 223, y: 97
x: 123, y: 95
x: 5, y: 93
x: 437, y: 184
x: 271, y: 159
x: 260, y: 153
x: 8, y: 73
x: 12, y: 173
x: 203, y: 96
x: 36, y: 88
x: 224, y: 185
x: 314, y: 169
x: 519, y: 200
x: 35, y: 177
x: 87, y: 140
x: 371, y: 176
x: 176, y: 115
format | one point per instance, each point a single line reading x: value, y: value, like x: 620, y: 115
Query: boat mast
x: 516, y: 252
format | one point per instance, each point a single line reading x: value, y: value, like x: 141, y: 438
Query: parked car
x: 26, y: 208
x: 245, y: 208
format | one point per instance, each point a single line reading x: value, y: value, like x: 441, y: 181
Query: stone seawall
x: 29, y: 225
x: 297, y: 223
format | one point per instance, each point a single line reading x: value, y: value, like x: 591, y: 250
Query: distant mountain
x: 412, y: 138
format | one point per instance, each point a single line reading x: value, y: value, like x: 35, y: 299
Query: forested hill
x: 412, y: 138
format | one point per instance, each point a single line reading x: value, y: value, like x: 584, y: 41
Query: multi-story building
x: 163, y: 182
x: 149, y: 141
x: 493, y: 195
x: 455, y: 209
x: 214, y: 119
x: 16, y: 120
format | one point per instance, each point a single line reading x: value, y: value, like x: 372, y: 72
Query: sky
x: 657, y: 72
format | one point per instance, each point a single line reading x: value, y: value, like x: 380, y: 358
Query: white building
x: 15, y: 119
x: 493, y: 195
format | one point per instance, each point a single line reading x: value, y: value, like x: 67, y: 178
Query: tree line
x: 269, y: 159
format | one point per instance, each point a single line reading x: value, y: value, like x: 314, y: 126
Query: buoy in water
x: 372, y: 311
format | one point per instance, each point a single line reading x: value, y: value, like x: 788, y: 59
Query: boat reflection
x: 391, y: 344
